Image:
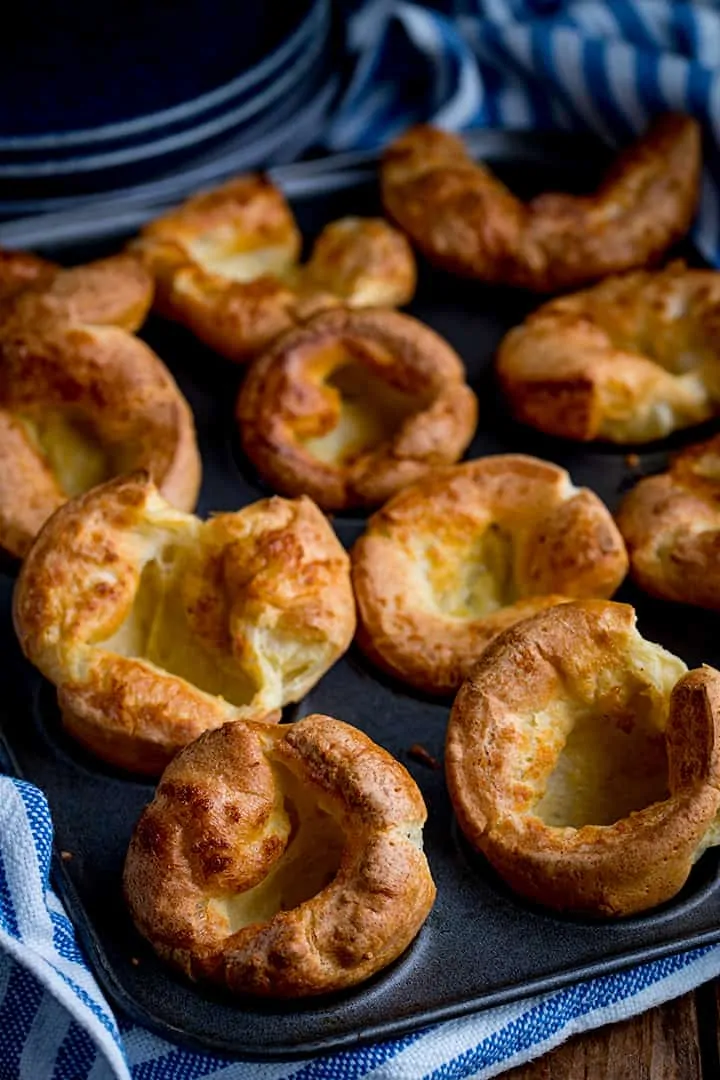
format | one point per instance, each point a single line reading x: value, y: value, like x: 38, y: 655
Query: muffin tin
x: 481, y: 945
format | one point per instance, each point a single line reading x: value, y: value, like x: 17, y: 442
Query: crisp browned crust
x: 155, y: 626
x: 465, y: 220
x: 81, y: 398
x: 629, y: 360
x: 671, y: 525
x: 452, y: 561
x: 362, y: 261
x: 256, y: 807
x: 21, y: 270
x: 116, y: 291
x: 226, y: 263
x: 407, y: 409
x: 584, y: 667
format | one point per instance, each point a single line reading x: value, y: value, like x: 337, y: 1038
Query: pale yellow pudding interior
x: 669, y: 402
x: 592, y: 762
x: 222, y: 252
x: 157, y: 630
x: 75, y: 454
x: 309, y: 863
x: 464, y: 576
x: 371, y: 412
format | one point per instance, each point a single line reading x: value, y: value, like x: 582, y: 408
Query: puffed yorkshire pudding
x: 21, y: 270
x: 465, y: 220
x: 82, y: 399
x: 226, y: 263
x: 450, y: 562
x: 671, y: 525
x: 353, y: 406
x: 155, y: 626
x: 281, y: 860
x: 630, y: 360
x: 584, y: 761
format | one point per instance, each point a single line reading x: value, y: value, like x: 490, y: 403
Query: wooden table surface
x: 677, y: 1041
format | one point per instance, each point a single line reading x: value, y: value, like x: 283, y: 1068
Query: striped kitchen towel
x: 55, y: 1023
x: 514, y: 64
x: 575, y: 65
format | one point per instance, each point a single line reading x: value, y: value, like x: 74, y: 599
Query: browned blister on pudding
x: 464, y: 219
x: 227, y: 266
x: 453, y: 560
x: 584, y: 761
x: 155, y: 626
x: 281, y: 861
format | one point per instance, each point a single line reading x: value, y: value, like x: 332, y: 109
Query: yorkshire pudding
x: 671, y: 525
x: 226, y: 263
x: 21, y: 270
x: 450, y: 562
x: 281, y: 860
x: 82, y: 399
x: 584, y: 761
x: 466, y: 221
x: 353, y: 406
x: 116, y: 291
x: 155, y: 626
x: 630, y: 360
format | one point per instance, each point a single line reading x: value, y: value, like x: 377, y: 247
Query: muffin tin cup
x: 482, y: 945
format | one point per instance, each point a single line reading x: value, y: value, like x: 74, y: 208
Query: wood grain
x: 662, y: 1044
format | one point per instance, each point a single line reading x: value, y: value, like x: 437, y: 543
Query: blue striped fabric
x: 55, y: 1023
x: 574, y: 65
x: 514, y: 64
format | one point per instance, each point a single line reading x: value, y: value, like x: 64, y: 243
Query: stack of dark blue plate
x: 145, y: 103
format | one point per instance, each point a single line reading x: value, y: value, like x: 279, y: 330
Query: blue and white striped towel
x: 499, y: 63
x: 54, y: 1022
x: 574, y: 65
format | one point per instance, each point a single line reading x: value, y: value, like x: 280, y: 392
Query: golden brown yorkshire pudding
x: 155, y: 626
x: 82, y: 399
x: 353, y: 406
x: 226, y: 263
x: 629, y: 360
x: 116, y: 291
x: 671, y: 525
x: 465, y: 220
x: 21, y: 270
x: 450, y: 562
x: 584, y: 762
x: 281, y: 860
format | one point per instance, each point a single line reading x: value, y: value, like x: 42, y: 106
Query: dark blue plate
x: 98, y: 169
x: 293, y: 130
x: 75, y: 76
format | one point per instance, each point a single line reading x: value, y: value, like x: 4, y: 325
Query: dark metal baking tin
x: 481, y: 945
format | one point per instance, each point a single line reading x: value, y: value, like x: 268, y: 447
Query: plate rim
x: 243, y: 83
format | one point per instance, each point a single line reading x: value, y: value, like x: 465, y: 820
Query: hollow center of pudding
x: 157, y: 630
x: 76, y: 456
x: 309, y: 863
x: 221, y: 251
x: 601, y: 759
x: 370, y: 412
x: 465, y: 574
